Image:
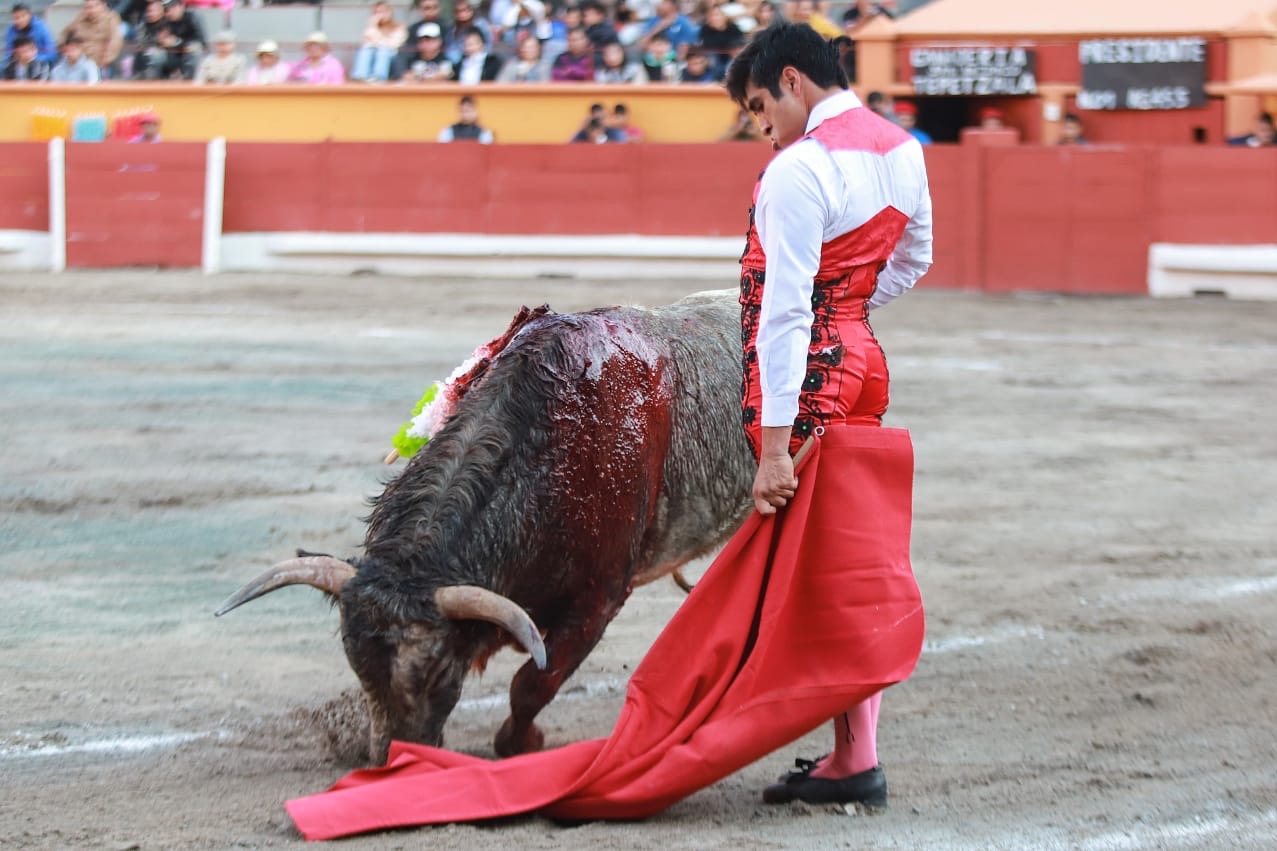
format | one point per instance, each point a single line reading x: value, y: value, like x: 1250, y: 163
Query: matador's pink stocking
x: 855, y: 741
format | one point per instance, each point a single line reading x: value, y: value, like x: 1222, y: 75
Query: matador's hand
x: 775, y: 483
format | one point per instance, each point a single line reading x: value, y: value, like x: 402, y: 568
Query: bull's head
x: 411, y: 672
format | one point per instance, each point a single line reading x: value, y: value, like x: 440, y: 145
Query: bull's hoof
x: 507, y: 745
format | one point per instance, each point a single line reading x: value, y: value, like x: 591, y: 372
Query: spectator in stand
x: 26, y: 25
x: 526, y: 66
x: 740, y: 14
x: 525, y: 19
x: 1071, y: 132
x: 616, y: 68
x: 576, y: 64
x: 720, y: 39
x: 743, y: 129
x: 566, y: 18
x: 881, y: 104
x: 464, y: 19
x: 223, y: 66
x: 318, y: 67
x: 467, y: 128
x: 148, y: 54
x: 597, y: 27
x: 991, y: 119
x: 25, y: 64
x: 766, y: 15
x: 677, y: 29
x: 75, y: 66
x: 429, y: 11
x: 846, y: 56
x: 619, y: 121
x: 183, y: 39
x: 99, y: 31
x: 224, y: 5
x: 477, y: 64
x: 629, y: 26
x: 495, y: 12
x: 805, y: 12
x: 660, y: 60
x: 697, y: 69
x: 429, y: 65
x: 1262, y: 134
x: 150, y: 129
x: 597, y: 132
x: 383, y: 36
x: 132, y: 13
x: 861, y: 12
x: 907, y: 118
x: 269, y: 70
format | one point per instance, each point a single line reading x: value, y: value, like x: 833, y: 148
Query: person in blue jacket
x: 26, y: 24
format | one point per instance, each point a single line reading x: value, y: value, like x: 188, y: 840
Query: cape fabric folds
x: 803, y: 615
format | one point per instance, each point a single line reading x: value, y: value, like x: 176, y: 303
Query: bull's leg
x: 532, y: 689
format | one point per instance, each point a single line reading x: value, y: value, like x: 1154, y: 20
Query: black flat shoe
x: 867, y: 787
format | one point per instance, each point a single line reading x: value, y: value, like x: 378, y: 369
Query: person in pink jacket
x: 382, y: 39
x: 318, y: 67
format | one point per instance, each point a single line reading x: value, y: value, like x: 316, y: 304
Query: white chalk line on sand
x: 111, y: 745
x: 964, y: 642
x: 1183, y: 835
x: 1196, y: 590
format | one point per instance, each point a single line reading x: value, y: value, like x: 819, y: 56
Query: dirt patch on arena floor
x: 1096, y: 499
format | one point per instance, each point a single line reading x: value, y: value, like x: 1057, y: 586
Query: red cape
x: 803, y: 615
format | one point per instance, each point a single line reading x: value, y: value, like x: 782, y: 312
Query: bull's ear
x: 326, y: 573
x: 470, y: 602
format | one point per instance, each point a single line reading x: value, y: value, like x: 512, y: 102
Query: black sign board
x: 1142, y: 73
x: 973, y: 71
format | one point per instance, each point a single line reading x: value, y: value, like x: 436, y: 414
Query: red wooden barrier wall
x: 1015, y: 218
x: 700, y: 190
x: 135, y: 205
x: 24, y: 186
x: 1082, y: 219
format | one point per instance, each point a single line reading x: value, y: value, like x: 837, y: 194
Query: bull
x: 592, y: 453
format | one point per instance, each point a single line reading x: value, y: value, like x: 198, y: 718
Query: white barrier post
x: 57, y: 205
x: 214, y: 192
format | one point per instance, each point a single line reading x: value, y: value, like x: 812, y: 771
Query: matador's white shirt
x: 810, y: 195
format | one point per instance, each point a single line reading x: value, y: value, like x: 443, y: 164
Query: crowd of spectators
x: 599, y: 41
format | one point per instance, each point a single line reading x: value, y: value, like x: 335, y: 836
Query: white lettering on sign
x: 973, y: 71
x: 1164, y: 97
x: 1138, y: 51
x: 1097, y: 99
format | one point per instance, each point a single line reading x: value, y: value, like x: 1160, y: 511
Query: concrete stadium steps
x: 344, y: 23
x: 212, y: 21
x: 282, y: 23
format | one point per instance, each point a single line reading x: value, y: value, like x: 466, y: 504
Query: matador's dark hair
x: 777, y: 47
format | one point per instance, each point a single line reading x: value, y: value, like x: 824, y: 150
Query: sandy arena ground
x: 1096, y: 502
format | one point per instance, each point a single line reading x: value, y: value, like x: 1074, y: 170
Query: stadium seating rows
x: 289, y: 24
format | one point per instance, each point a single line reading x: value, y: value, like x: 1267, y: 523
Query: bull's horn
x: 323, y: 572
x: 470, y: 602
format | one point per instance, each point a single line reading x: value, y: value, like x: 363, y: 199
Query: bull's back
x: 709, y: 468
